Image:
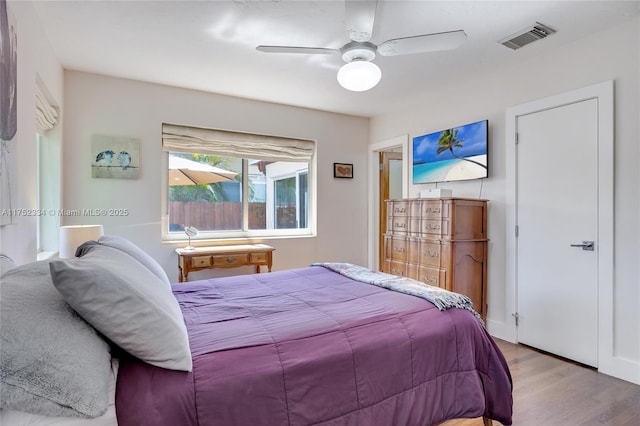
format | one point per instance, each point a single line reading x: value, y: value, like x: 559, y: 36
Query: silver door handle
x: 586, y: 245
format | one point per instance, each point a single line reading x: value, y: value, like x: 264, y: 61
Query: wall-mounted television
x: 459, y: 153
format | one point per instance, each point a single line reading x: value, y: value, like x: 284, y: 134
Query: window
x: 47, y: 193
x: 290, y: 199
x: 48, y: 160
x: 235, y: 185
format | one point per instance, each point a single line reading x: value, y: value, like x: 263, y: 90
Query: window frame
x: 244, y: 235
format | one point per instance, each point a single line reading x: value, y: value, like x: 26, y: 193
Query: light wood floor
x: 548, y: 391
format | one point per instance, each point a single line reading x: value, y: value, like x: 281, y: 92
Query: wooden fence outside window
x: 225, y: 215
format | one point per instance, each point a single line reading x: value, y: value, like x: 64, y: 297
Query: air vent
x: 530, y: 34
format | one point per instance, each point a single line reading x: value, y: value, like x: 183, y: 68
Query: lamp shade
x: 359, y: 75
x: 73, y: 236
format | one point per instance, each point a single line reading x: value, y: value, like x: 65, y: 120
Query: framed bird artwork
x: 115, y: 157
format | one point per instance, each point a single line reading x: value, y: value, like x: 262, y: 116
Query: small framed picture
x: 115, y: 157
x: 342, y: 170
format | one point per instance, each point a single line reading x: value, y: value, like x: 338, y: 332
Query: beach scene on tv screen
x: 459, y: 153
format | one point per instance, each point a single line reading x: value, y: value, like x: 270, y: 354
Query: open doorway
x: 390, y: 181
x: 399, y: 178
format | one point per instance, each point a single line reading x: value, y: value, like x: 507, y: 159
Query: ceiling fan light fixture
x: 359, y: 75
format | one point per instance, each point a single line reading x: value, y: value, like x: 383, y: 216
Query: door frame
x: 608, y: 363
x: 384, y: 164
x: 373, y: 216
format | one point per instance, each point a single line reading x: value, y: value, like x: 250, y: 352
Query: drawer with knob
x: 396, y: 268
x: 429, y: 228
x: 431, y: 254
x: 398, y: 225
x: 398, y: 208
x: 433, y: 276
x: 256, y: 258
x: 201, y: 262
x: 396, y: 248
x: 231, y: 260
x: 431, y: 209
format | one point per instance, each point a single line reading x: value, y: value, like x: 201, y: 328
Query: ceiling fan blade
x: 360, y: 15
x: 297, y: 49
x: 423, y: 43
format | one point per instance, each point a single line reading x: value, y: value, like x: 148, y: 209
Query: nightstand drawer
x: 257, y: 258
x: 201, y: 262
x: 231, y: 260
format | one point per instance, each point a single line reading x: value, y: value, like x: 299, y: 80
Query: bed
x: 308, y: 346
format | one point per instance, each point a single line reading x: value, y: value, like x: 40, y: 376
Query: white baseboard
x: 620, y: 368
x: 502, y: 330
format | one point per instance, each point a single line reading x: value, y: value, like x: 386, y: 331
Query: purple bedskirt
x: 309, y: 346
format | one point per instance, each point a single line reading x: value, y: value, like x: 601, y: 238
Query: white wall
x: 35, y: 60
x: 486, y: 93
x: 103, y: 105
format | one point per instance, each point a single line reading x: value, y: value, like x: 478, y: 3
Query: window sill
x: 46, y: 255
x: 233, y: 240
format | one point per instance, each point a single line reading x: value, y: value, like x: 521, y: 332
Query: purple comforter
x: 309, y: 346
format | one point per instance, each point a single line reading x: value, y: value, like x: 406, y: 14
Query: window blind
x: 46, y: 115
x: 235, y: 144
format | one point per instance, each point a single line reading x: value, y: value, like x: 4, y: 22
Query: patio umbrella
x: 188, y: 172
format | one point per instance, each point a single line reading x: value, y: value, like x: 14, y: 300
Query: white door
x: 557, y: 210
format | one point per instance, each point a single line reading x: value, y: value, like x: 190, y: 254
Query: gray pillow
x: 127, y: 303
x: 51, y: 361
x: 132, y: 250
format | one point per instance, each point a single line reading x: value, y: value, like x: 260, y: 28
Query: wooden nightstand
x: 200, y: 258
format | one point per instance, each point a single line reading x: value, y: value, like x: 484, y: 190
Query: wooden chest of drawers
x: 441, y: 242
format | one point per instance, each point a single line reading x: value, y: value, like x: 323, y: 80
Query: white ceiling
x: 210, y: 45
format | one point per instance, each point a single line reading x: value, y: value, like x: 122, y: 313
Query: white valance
x: 46, y: 115
x: 235, y: 144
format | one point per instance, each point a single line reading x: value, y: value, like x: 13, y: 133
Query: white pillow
x: 127, y: 303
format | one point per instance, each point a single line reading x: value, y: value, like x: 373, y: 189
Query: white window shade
x: 235, y: 144
x: 46, y: 114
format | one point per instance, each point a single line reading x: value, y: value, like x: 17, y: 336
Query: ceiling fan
x: 359, y: 73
